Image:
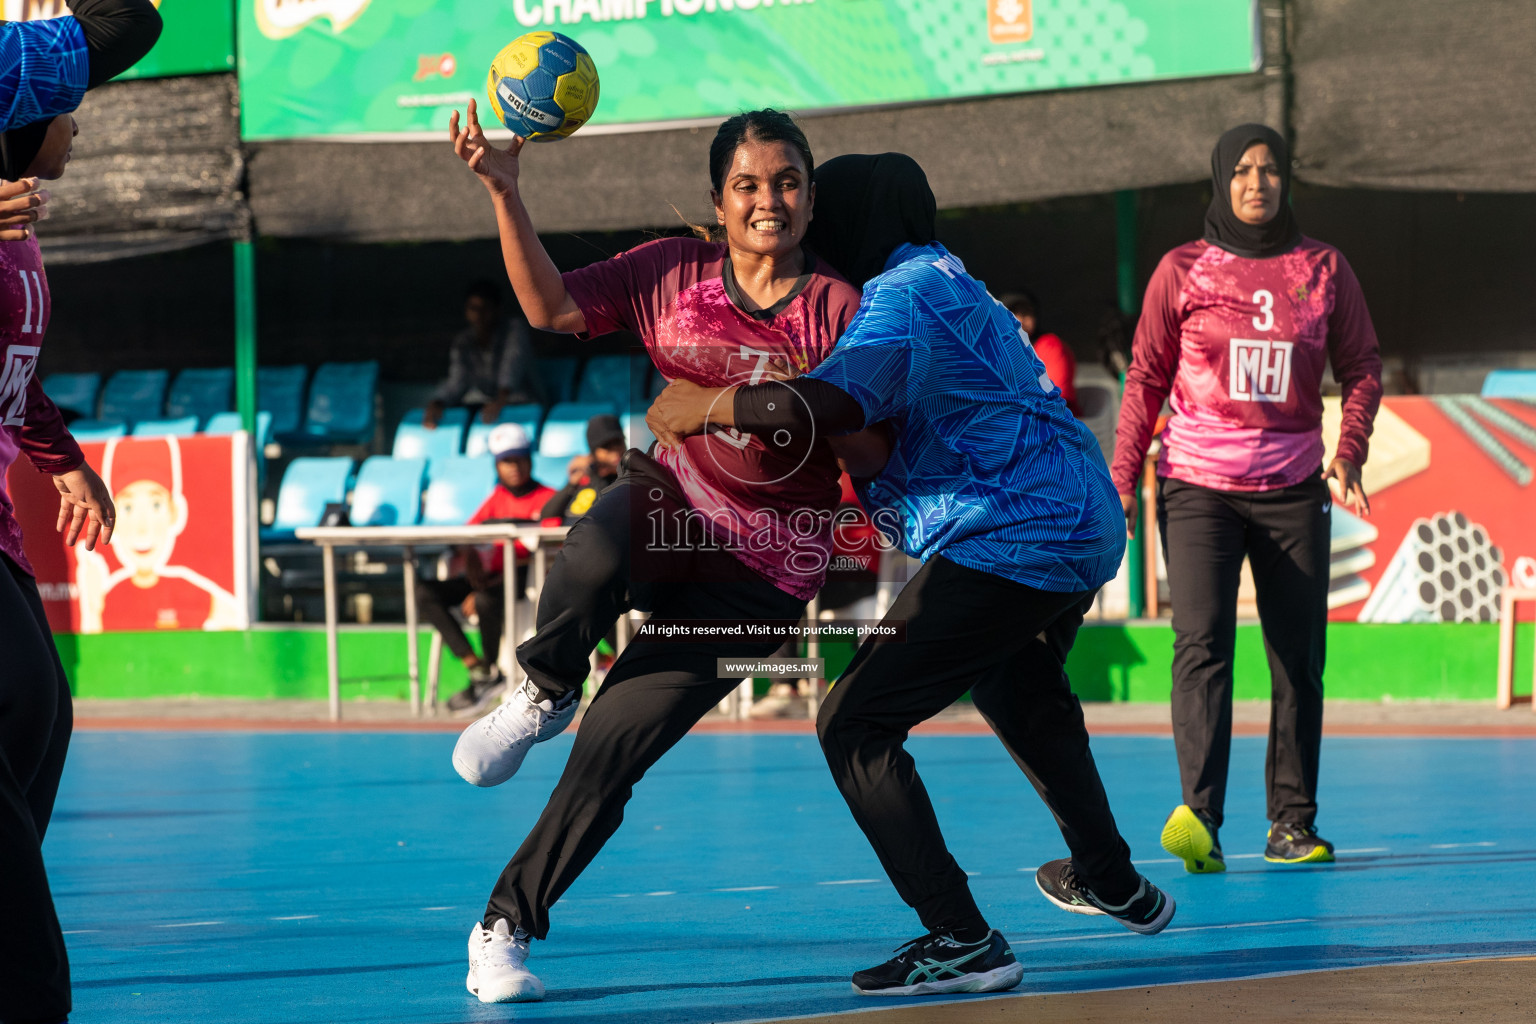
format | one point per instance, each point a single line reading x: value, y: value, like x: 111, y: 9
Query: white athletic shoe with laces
x: 491, y: 750
x: 497, y: 971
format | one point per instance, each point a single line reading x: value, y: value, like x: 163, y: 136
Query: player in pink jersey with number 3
x: 719, y: 531
x: 1235, y: 332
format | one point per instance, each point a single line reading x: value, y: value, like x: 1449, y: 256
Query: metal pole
x: 506, y: 656
x: 1126, y: 281
x: 412, y: 641
x: 245, y: 336
x: 333, y: 670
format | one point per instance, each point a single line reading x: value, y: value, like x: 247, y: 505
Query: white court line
x: 82, y: 931
x: 1156, y: 860
x: 1243, y: 856
x: 1456, y: 846
x: 436, y: 908
x: 190, y: 924
x: 294, y: 917
x: 850, y: 881
x: 747, y: 888
x: 1166, y: 931
x: 663, y: 892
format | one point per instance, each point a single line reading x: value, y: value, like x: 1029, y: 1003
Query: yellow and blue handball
x: 543, y: 86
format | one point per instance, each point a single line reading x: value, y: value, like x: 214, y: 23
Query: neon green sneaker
x: 1296, y: 844
x: 1190, y: 836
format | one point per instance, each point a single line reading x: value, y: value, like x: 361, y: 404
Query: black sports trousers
x: 436, y: 599
x: 654, y: 692
x: 1285, y: 534
x: 36, y: 717
x: 1006, y: 643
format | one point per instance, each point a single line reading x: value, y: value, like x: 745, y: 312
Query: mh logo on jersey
x: 1260, y: 371
x: 15, y: 375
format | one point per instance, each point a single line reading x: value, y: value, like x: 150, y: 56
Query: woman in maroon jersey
x: 720, y: 528
x: 36, y: 715
x: 1235, y: 332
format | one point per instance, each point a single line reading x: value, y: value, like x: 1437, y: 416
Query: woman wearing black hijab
x: 1235, y: 332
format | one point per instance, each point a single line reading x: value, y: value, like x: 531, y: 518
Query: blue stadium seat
x: 1506, y: 384
x: 309, y: 484
x: 527, y: 416
x: 341, y: 402
x: 229, y: 422
x: 636, y: 433
x: 73, y: 391
x: 550, y: 470
x: 388, y: 492
x: 620, y: 380
x: 134, y: 395
x: 414, y: 441
x: 98, y: 430
x: 202, y: 393
x: 280, y: 392
x: 179, y: 426
x: 558, y: 375
x: 456, y: 487
x: 565, y: 429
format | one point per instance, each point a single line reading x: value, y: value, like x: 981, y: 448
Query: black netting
x: 1415, y: 94
x: 157, y: 167
x: 1001, y: 150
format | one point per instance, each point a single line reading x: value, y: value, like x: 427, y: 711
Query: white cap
x: 508, y: 441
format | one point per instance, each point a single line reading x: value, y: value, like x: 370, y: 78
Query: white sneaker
x: 496, y: 967
x: 491, y: 750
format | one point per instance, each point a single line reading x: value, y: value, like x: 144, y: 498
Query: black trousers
x: 1285, y: 534
x: 1006, y: 643
x: 36, y: 717
x: 436, y: 599
x: 654, y: 692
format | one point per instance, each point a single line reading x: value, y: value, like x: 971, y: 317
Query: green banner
x: 396, y: 67
x: 199, y: 37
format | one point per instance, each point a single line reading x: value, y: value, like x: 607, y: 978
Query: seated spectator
x: 589, y: 475
x: 478, y: 586
x: 1060, y: 363
x: 491, y: 362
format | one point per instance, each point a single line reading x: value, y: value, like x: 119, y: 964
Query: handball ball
x: 543, y: 86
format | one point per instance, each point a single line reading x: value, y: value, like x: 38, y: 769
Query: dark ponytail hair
x: 755, y: 126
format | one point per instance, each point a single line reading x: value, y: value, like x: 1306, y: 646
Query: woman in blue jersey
x: 1005, y: 497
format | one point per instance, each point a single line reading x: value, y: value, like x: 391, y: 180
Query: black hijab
x: 1222, y: 227
x: 866, y: 206
x: 19, y: 147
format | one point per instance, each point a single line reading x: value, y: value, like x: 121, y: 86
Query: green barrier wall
x: 1129, y: 662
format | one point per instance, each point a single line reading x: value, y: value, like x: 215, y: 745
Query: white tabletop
x: 407, y: 536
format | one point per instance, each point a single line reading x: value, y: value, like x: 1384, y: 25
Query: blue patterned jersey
x: 44, y: 67
x: 990, y: 469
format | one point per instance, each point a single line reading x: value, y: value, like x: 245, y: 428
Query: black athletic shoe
x: 485, y: 685
x: 1190, y: 836
x: 1147, y: 912
x: 936, y: 964
x: 1296, y: 844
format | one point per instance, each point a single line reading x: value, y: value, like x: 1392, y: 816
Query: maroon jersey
x: 1240, y: 345
x: 676, y: 294
x: 29, y: 422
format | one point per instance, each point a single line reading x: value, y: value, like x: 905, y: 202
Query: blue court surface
x: 335, y: 877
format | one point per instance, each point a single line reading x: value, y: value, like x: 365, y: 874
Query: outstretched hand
x: 1349, y: 490
x: 22, y: 204
x: 497, y: 168
x: 85, y: 507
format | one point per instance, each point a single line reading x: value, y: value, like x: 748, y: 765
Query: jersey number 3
x: 1266, y: 302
